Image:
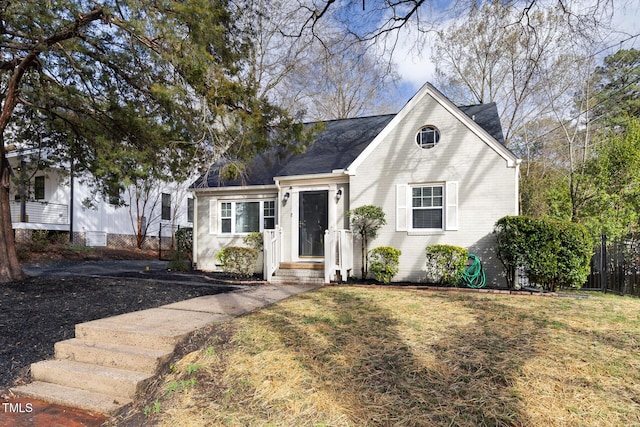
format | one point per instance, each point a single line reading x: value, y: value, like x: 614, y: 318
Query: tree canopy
x: 128, y: 90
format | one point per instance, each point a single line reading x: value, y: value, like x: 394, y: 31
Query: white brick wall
x: 487, y: 187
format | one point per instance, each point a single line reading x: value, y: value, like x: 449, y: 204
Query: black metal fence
x: 615, y: 267
x: 166, y: 241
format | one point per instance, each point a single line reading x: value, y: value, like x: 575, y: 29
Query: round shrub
x: 254, y: 240
x: 383, y: 263
x: 445, y: 264
x: 238, y: 261
x: 552, y: 253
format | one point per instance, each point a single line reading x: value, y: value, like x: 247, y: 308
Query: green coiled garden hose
x: 473, y: 275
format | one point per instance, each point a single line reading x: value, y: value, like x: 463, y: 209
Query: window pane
x: 427, y: 218
x: 269, y: 223
x: 427, y: 197
x: 269, y: 215
x: 428, y: 137
x: 247, y: 217
x: 189, y: 209
x: 225, y: 210
x: 38, y: 188
x: 226, y: 225
x: 166, y: 206
x: 269, y: 208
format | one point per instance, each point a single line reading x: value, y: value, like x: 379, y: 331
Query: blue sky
x: 417, y: 68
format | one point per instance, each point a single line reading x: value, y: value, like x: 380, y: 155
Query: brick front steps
x: 110, y: 360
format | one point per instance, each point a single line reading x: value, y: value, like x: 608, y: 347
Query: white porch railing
x: 41, y: 212
x: 338, y: 254
x: 271, y: 252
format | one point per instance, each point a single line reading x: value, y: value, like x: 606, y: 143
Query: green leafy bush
x: 445, y: 264
x: 383, y: 262
x: 238, y: 261
x: 552, y: 253
x: 254, y: 240
x: 184, y: 242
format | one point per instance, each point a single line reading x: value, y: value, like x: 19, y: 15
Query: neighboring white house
x: 441, y: 174
x: 54, y: 202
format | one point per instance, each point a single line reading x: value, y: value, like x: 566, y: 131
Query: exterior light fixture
x: 338, y: 194
x: 285, y: 197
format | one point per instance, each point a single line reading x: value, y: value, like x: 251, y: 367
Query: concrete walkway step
x: 111, y: 359
x: 112, y: 355
x: 156, y: 328
x: 119, y: 383
x: 72, y: 397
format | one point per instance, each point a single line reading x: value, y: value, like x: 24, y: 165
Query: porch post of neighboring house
x: 71, y: 197
x: 194, y: 246
x: 22, y: 190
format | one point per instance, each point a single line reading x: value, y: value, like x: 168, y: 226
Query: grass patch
x: 344, y: 356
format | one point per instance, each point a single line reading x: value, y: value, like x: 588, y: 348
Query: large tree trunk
x: 10, y: 268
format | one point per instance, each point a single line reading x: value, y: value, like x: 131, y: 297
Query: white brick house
x: 441, y: 174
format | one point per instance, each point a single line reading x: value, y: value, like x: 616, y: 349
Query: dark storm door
x: 312, y: 223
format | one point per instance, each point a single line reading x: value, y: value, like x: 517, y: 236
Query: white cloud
x: 412, y: 54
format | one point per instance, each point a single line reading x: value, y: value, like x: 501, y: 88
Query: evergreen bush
x: 445, y: 264
x: 384, y: 262
x: 238, y: 261
x: 254, y: 240
x: 552, y: 253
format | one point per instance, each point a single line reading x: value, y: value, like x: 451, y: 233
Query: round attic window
x: 428, y: 137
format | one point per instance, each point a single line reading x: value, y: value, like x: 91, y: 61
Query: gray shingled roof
x: 335, y: 147
x: 486, y: 115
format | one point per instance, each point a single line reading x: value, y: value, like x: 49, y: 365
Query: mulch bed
x: 36, y: 313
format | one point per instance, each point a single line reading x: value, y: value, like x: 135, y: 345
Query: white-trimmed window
x: 428, y: 137
x: 268, y: 215
x: 246, y: 217
x: 427, y: 207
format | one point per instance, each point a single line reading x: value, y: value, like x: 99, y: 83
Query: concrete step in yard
x: 111, y: 359
x: 156, y: 328
x: 119, y: 383
x: 72, y: 397
x: 111, y: 355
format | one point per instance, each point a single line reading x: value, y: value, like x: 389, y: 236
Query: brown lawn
x: 347, y: 356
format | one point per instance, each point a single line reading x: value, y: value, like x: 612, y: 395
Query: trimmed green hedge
x: 553, y: 253
x: 445, y: 264
x: 383, y: 263
x: 238, y: 261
